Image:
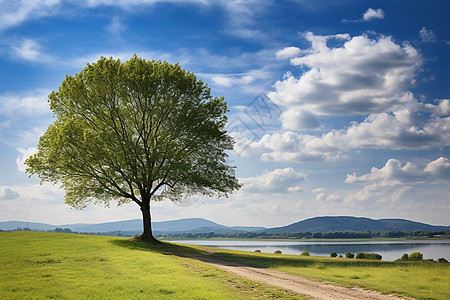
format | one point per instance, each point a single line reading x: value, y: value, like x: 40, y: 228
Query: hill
x: 345, y: 223
x: 193, y: 225
x: 199, y: 225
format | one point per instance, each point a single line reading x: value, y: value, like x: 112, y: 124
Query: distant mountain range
x: 199, y: 225
x: 343, y: 224
x: 193, y: 225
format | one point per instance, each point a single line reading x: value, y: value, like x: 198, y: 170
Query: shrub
x: 278, y: 252
x: 416, y: 256
x: 257, y: 250
x: 404, y: 257
x: 373, y: 256
x: 442, y: 260
x: 333, y: 254
x: 340, y: 255
x: 349, y: 255
x: 360, y: 255
x: 305, y: 253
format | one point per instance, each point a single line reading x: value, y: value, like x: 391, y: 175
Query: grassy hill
x: 344, y: 223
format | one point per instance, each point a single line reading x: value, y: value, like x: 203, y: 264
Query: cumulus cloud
x: 442, y: 108
x: 371, y: 14
x: 276, y: 181
x: 439, y: 169
x: 404, y: 128
x: 362, y: 76
x: 288, y: 52
x: 393, y: 172
x: 299, y: 119
x: 368, y: 15
x: 396, y: 179
x: 427, y: 36
x: 325, y: 196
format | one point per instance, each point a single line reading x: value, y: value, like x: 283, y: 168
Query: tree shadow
x: 159, y: 247
x: 213, y: 255
x: 257, y: 260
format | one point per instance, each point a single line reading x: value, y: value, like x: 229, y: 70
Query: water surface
x: 390, y: 250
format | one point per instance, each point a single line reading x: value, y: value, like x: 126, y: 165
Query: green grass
x: 39, y: 265
x: 421, y: 280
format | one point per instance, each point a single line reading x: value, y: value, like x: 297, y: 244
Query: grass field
x: 421, y: 280
x: 38, y: 265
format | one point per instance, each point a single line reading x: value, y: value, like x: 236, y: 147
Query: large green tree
x: 135, y: 131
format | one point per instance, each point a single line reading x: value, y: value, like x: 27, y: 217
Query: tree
x: 135, y: 131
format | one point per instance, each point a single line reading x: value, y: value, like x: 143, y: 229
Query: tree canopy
x: 135, y: 131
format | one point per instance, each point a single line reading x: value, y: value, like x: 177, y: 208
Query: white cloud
x: 116, y: 27
x: 23, y: 117
x: 371, y: 14
x: 395, y: 180
x: 440, y: 168
x: 8, y: 193
x: 362, y: 76
x: 30, y: 51
x: 276, y: 181
x: 24, y: 104
x: 299, y: 119
x: 323, y: 195
x: 393, y: 172
x: 404, y: 128
x: 288, y: 52
x: 13, y: 13
x: 242, y: 16
x: 230, y: 80
x: 442, y: 109
x: 368, y: 16
x: 24, y: 155
x: 427, y: 36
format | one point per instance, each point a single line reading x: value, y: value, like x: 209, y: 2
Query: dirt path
x: 307, y: 287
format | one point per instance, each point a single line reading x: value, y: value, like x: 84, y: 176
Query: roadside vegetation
x: 419, y: 279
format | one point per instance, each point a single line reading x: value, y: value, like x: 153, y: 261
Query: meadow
x: 39, y: 265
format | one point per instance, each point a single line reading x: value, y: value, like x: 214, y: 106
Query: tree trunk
x: 147, y: 222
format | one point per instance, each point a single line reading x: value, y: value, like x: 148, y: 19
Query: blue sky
x: 337, y: 107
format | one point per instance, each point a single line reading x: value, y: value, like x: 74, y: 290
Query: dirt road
x: 303, y: 286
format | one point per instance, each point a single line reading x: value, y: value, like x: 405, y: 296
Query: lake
x: 390, y: 250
